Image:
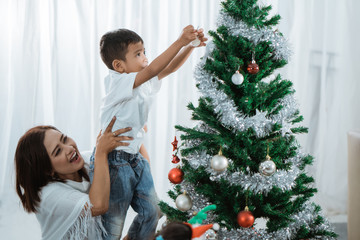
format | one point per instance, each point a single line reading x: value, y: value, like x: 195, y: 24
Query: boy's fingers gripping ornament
x: 196, y: 42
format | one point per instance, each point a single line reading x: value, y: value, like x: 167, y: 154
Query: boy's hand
x: 188, y: 34
x: 201, y: 37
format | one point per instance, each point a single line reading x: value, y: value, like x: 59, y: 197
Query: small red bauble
x: 253, y: 68
x: 245, y: 218
x: 175, y: 159
x: 176, y: 175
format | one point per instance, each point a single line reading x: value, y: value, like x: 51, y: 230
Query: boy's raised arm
x: 156, y: 66
x: 182, y: 56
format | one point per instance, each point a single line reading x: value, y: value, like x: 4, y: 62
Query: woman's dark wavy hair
x: 175, y: 231
x: 33, y: 167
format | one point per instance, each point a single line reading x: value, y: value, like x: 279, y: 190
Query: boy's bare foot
x: 126, y: 238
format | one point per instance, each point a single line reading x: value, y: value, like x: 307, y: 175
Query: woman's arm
x: 100, y: 188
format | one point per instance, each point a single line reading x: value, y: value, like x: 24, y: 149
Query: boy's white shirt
x: 129, y: 105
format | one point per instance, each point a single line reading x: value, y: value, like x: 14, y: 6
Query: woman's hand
x: 108, y: 141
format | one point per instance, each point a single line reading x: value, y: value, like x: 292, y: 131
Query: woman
x: 52, y: 182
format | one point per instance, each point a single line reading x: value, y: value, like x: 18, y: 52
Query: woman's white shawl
x: 64, y: 212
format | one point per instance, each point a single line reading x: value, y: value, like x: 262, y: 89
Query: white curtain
x: 51, y: 73
x: 325, y: 70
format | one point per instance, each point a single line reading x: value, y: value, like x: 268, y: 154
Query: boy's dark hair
x: 176, y: 231
x: 114, y: 45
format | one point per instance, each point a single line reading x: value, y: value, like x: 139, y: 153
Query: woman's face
x: 64, y: 155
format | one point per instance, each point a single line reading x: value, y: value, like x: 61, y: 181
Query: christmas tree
x: 242, y: 155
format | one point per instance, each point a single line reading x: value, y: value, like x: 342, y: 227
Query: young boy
x: 129, y: 87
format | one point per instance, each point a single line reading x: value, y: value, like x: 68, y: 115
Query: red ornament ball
x: 245, y: 219
x: 175, y: 159
x: 176, y: 175
x: 253, y: 68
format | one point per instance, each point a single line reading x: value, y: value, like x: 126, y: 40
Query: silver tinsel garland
x: 230, y: 117
x: 255, y: 182
x: 240, y: 28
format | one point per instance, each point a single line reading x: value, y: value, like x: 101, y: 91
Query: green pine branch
x: 249, y: 12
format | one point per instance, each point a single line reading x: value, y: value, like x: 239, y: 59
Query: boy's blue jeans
x: 131, y: 185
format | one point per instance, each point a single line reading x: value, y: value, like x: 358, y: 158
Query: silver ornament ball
x: 183, y: 202
x: 267, y: 168
x: 219, y: 163
x: 237, y: 78
x: 196, y: 42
